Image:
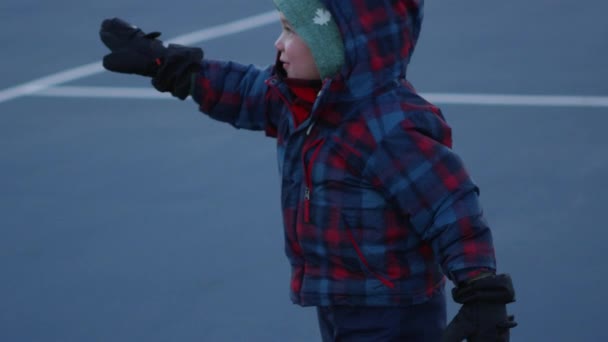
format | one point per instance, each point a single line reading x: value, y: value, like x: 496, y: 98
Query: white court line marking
x: 104, y: 92
x: 519, y: 100
x: 439, y: 98
x: 90, y: 69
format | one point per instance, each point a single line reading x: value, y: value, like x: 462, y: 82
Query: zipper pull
x: 309, y: 129
x: 307, y: 205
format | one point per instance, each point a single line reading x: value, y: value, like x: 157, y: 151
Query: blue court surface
x: 126, y: 215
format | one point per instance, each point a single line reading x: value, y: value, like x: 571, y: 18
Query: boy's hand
x: 133, y: 51
x: 483, y: 315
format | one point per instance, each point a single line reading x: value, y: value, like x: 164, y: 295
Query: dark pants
x: 416, y: 323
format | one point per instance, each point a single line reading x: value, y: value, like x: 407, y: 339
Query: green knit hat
x: 315, y: 25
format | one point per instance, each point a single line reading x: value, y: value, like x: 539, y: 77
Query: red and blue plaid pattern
x: 376, y: 205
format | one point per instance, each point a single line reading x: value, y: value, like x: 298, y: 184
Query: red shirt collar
x: 305, y: 93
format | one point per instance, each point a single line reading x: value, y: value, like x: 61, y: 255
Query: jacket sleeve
x: 428, y: 182
x: 234, y: 93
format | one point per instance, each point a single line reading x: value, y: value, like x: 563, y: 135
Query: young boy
x: 377, y: 208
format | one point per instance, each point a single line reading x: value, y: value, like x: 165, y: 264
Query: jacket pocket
x: 355, y: 233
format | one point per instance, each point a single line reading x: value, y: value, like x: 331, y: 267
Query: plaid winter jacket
x: 377, y: 208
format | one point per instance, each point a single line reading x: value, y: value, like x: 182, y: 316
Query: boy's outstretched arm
x: 236, y: 94
x: 226, y: 91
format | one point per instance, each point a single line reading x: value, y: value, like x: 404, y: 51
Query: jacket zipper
x: 316, y: 147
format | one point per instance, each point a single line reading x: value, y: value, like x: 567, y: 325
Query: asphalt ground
x: 139, y: 219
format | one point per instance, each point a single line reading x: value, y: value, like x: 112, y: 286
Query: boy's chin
x: 295, y: 76
x: 284, y: 70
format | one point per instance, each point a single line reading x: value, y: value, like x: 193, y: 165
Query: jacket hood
x: 379, y: 38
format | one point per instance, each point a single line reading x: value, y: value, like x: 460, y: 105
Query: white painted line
x: 437, y: 98
x: 49, y: 81
x: 83, y: 71
x: 104, y: 92
x: 227, y: 29
x: 519, y: 100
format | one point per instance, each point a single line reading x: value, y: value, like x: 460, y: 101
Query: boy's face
x: 295, y: 55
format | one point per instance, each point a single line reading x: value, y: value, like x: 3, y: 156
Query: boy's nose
x: 278, y: 44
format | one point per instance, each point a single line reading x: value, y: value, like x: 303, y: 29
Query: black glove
x: 135, y: 52
x: 483, y: 315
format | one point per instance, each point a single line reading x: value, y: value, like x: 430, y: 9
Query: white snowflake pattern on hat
x: 322, y: 17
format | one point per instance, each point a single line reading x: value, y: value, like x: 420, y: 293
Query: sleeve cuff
x: 470, y: 274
